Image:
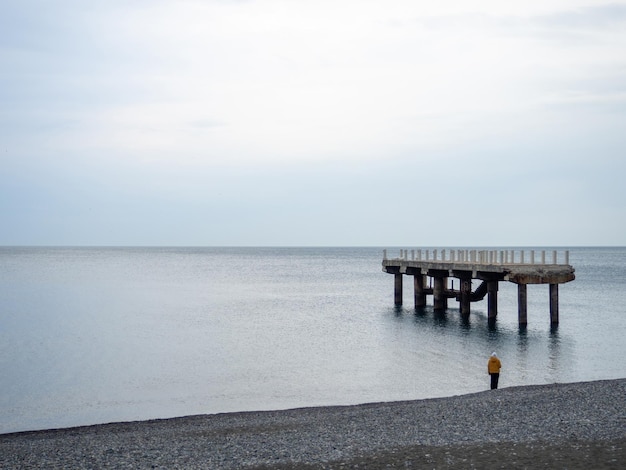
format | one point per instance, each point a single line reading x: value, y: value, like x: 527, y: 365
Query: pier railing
x: 493, y: 257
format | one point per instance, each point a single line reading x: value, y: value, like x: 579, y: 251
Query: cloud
x: 594, y: 18
x: 304, y: 114
x: 312, y: 81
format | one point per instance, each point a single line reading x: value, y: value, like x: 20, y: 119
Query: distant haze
x: 376, y: 123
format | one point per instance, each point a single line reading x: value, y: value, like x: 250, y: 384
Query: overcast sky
x: 313, y: 122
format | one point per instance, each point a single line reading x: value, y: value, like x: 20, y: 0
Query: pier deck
x: 488, y: 266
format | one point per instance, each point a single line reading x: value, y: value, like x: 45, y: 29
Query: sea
x: 97, y: 335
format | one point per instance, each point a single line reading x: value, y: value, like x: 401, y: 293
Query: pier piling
x: 554, y: 304
x: 398, y: 289
x: 522, y: 301
x: 419, y: 293
x: 440, y: 301
x: 492, y: 300
x: 466, y: 292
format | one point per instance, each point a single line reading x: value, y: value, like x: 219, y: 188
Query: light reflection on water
x: 94, y: 335
x: 529, y: 354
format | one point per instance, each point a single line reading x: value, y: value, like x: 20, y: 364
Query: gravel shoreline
x: 544, y: 426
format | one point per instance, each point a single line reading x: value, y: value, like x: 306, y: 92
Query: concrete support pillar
x: 522, y: 304
x: 492, y: 300
x: 554, y: 304
x: 440, y: 301
x: 419, y: 281
x: 397, y: 292
x: 466, y: 291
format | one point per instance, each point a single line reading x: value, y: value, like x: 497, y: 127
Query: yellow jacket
x: 494, y: 365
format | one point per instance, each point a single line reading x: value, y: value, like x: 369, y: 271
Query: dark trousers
x: 494, y: 381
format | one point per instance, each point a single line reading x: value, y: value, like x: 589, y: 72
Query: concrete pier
x: 488, y: 266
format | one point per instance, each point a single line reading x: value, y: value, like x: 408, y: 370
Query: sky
x: 313, y: 123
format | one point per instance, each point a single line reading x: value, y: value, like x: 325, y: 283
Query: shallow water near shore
x: 93, y: 335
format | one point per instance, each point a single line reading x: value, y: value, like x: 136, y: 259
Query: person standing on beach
x: 493, y: 368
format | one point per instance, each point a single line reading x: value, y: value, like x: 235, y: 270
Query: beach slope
x: 577, y: 425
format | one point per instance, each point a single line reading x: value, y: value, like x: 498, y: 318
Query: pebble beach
x: 573, y: 425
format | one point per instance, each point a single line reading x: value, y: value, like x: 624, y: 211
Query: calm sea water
x: 93, y: 335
